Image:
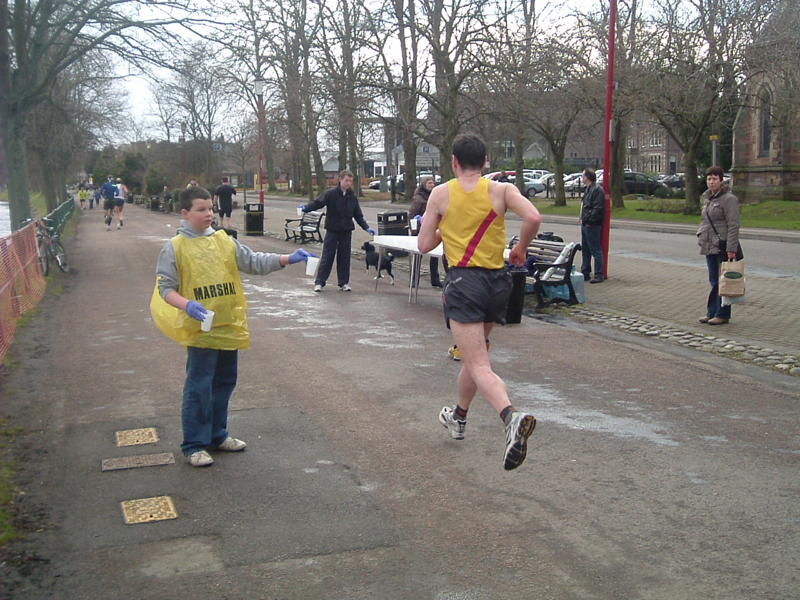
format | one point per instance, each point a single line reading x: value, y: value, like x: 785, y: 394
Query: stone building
x: 766, y: 147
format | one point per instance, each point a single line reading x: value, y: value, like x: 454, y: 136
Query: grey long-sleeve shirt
x: 249, y: 261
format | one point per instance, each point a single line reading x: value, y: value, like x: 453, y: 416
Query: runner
x: 119, y: 201
x: 468, y: 214
x: 223, y: 198
x: 108, y: 191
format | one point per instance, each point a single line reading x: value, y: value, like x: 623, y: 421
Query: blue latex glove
x: 300, y: 256
x: 302, y: 207
x: 370, y: 231
x: 196, y: 310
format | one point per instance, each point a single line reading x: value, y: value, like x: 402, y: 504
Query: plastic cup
x: 299, y: 212
x: 413, y: 223
x: 312, y: 263
x: 205, y: 324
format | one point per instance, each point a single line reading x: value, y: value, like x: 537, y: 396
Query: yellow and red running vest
x: 474, y: 235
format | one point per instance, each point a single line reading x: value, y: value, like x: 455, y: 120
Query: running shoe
x: 454, y: 353
x: 201, y: 458
x: 455, y: 426
x: 518, y: 430
x: 231, y: 444
x: 318, y: 288
x: 345, y: 288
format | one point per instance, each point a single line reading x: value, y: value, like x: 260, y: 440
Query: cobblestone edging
x: 704, y: 342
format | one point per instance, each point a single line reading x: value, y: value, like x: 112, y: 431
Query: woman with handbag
x: 718, y: 237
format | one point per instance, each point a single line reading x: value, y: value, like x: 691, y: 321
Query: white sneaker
x: 231, y: 444
x: 455, y: 426
x: 518, y: 431
x: 317, y: 288
x: 345, y: 288
x: 201, y: 458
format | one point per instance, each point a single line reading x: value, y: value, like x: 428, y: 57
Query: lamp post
x: 605, y: 234
x: 258, y: 87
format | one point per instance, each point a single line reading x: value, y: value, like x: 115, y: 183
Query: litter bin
x: 393, y: 223
x: 155, y: 203
x: 516, y: 301
x: 254, y: 219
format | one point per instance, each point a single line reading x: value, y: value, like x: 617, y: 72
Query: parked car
x: 639, y: 183
x: 375, y: 184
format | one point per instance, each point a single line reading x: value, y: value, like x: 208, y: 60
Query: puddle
x: 548, y: 405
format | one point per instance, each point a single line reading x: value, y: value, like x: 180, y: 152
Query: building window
x: 765, y: 122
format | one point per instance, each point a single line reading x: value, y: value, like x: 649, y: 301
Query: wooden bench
x: 549, y: 271
x: 305, y: 228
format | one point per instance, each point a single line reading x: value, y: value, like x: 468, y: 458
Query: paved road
x: 651, y: 474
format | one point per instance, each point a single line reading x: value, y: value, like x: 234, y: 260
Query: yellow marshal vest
x: 474, y: 235
x: 208, y: 272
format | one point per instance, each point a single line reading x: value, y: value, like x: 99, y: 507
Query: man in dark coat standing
x: 342, y: 208
x: 593, y: 210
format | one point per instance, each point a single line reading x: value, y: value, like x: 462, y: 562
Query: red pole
x: 605, y: 236
x: 261, y: 148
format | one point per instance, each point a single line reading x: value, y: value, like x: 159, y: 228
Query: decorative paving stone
x: 148, y: 510
x: 738, y: 348
x: 794, y: 371
x: 135, y: 437
x: 135, y: 462
x: 783, y: 367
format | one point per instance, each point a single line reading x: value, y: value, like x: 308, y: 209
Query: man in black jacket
x: 593, y: 210
x: 341, y: 208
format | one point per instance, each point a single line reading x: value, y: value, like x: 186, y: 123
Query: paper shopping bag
x: 731, y: 278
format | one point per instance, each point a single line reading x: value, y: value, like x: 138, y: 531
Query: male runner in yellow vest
x: 468, y: 215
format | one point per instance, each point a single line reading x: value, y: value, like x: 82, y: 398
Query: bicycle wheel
x: 59, y: 255
x: 44, y: 257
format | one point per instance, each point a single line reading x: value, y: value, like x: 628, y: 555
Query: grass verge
x: 773, y: 214
x: 7, y: 530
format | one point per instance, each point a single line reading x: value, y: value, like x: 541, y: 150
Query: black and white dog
x: 371, y: 260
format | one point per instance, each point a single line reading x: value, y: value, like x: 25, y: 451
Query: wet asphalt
x: 652, y: 473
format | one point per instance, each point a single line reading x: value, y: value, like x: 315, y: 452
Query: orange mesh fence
x: 21, y: 282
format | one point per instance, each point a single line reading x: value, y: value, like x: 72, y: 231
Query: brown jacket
x: 723, y: 211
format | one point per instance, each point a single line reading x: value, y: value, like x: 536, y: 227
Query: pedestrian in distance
x: 120, y: 196
x: 593, y: 210
x: 223, y: 198
x: 108, y: 191
x: 199, y: 272
x: 718, y: 238
x: 417, y: 209
x: 468, y: 215
x: 166, y: 199
x: 342, y: 208
x: 83, y: 196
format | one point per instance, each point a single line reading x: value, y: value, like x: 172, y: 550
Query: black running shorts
x: 108, y: 204
x: 476, y: 295
x: 225, y: 208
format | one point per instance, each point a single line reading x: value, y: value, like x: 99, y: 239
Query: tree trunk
x: 616, y: 189
x: 410, y: 157
x: 692, y: 206
x: 17, y: 164
x: 558, y: 165
x: 519, y: 159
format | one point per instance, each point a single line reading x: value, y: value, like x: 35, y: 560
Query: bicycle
x: 48, y: 246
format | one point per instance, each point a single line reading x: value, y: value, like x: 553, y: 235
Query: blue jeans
x: 210, y: 380
x: 590, y: 248
x: 336, y: 244
x: 714, y: 306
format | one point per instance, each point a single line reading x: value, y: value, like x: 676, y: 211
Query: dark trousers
x: 210, y: 381
x: 434, y: 267
x: 590, y: 248
x: 336, y: 243
x: 714, y: 306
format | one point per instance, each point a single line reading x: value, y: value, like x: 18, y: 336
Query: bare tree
x: 695, y: 60
x: 40, y: 40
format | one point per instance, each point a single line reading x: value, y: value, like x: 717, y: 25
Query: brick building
x: 650, y: 149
